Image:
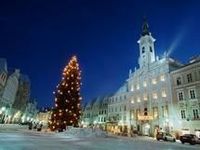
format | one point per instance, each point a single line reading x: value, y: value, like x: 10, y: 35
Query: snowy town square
x: 19, y: 138
x: 99, y: 75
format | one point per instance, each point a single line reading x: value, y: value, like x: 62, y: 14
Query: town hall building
x: 146, y: 102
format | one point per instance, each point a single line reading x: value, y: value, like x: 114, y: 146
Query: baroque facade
x: 144, y: 103
x: 148, y: 101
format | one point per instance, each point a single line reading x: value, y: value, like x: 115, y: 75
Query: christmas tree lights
x: 67, y: 108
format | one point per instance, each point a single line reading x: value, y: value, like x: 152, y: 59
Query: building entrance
x: 146, y: 129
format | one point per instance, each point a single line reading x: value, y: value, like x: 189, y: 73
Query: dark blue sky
x: 40, y: 36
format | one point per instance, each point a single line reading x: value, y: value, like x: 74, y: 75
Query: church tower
x: 146, y: 46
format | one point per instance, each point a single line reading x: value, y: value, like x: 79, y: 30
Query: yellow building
x: 44, y: 116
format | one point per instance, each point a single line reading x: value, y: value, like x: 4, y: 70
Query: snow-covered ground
x: 20, y: 138
x: 83, y: 132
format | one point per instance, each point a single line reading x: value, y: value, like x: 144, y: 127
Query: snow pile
x: 11, y: 127
x: 84, y: 132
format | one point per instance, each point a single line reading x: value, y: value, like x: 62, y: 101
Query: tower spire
x: 145, y: 28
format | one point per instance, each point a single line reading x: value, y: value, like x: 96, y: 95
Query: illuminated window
x: 162, y: 78
x: 132, y: 88
x: 166, y: 111
x: 138, y: 99
x: 132, y: 101
x: 164, y: 93
x: 155, y: 96
x: 145, y: 97
x: 137, y: 87
x: 145, y: 84
x: 155, y: 112
x: 154, y: 81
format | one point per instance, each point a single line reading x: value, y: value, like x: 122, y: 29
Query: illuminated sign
x: 145, y: 117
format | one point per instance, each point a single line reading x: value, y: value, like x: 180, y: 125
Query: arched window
x: 143, y: 49
x: 150, y: 48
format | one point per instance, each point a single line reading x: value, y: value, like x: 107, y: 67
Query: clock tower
x: 146, y: 46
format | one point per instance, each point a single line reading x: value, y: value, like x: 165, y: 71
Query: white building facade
x: 186, y: 97
x: 161, y: 95
x: 9, y: 94
x: 146, y: 98
x: 95, y: 113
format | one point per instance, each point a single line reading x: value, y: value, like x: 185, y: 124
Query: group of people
x: 33, y: 125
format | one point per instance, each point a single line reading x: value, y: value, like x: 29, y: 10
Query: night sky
x: 39, y: 37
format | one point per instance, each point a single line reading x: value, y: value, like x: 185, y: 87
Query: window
x: 178, y: 81
x: 143, y: 49
x: 166, y: 111
x: 2, y: 76
x: 137, y: 112
x: 162, y: 78
x: 150, y: 48
x: 132, y: 88
x: 195, y: 114
x: 155, y: 112
x: 132, y: 114
x: 163, y: 111
x: 155, y: 96
x: 189, y: 77
x: 145, y: 97
x: 180, y: 96
x: 115, y: 109
x: 124, y: 118
x: 138, y: 99
x: 154, y: 81
x: 164, y: 93
x: 192, y: 94
x: 137, y: 87
x: 145, y: 112
x: 124, y: 107
x: 183, y: 116
x: 132, y: 101
x: 145, y: 84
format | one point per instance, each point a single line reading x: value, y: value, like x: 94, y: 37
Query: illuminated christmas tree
x: 67, y: 108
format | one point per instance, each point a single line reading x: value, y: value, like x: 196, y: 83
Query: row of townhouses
x: 15, y: 103
x: 162, y: 94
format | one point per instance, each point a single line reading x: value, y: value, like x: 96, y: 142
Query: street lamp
x: 3, y: 109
